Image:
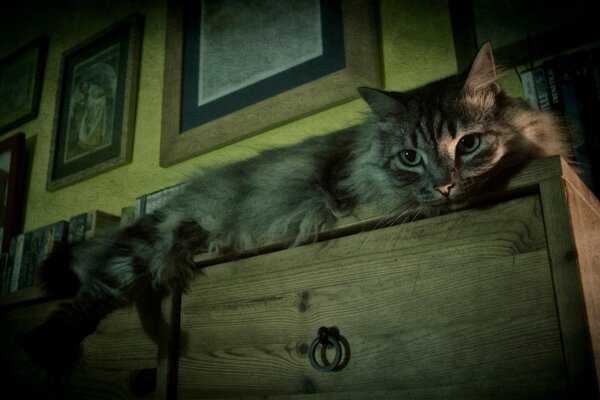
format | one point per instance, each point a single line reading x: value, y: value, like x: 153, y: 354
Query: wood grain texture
x: 23, y: 296
x: 523, y: 179
x: 417, y: 315
x: 584, y: 211
x: 490, y: 302
x: 463, y: 391
x: 567, y: 287
x: 112, y: 358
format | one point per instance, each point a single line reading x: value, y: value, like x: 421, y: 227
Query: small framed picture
x: 96, y: 102
x: 521, y: 31
x: 12, y: 175
x: 21, y: 77
x: 234, y: 68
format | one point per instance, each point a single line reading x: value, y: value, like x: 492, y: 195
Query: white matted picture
x: 238, y: 67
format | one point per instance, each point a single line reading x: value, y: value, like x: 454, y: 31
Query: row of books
x: 150, y: 202
x: 18, y: 268
x: 569, y: 85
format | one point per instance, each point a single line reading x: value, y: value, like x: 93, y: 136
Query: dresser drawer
x: 115, y: 360
x: 457, y: 304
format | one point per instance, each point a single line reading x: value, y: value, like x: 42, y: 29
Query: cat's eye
x: 468, y: 143
x: 410, y: 158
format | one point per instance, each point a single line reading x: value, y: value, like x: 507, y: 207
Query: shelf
x: 26, y: 295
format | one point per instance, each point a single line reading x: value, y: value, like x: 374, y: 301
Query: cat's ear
x: 382, y: 103
x: 482, y: 75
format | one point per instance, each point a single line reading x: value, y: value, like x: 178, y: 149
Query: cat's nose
x: 445, y: 189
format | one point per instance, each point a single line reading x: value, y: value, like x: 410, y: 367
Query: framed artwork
x: 12, y: 175
x: 234, y: 68
x: 96, y: 102
x: 521, y: 31
x: 21, y: 78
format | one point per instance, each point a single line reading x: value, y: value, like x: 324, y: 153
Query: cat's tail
x: 56, y: 277
x: 54, y: 345
x: 104, y: 274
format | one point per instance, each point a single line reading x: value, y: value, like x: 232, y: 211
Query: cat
x: 429, y: 148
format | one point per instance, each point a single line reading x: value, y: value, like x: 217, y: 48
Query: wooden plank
x: 112, y: 359
x: 523, y: 178
x: 458, y: 324
x: 23, y: 296
x: 534, y: 172
x: 568, y: 291
x: 584, y: 211
x: 463, y: 392
x: 364, y: 218
x: 16, y: 372
x: 472, y: 312
x: 120, y: 342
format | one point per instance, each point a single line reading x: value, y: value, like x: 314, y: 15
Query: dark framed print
x: 521, y: 31
x: 95, y: 110
x: 234, y: 68
x: 12, y: 175
x: 21, y: 78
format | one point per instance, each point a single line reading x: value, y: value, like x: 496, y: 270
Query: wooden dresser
x: 501, y: 300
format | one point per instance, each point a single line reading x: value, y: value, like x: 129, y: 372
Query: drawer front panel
x: 457, y: 304
x: 113, y: 358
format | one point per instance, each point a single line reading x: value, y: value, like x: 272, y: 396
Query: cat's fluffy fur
x: 431, y: 147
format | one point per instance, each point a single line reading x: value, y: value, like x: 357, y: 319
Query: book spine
x: 61, y: 230
x: 589, y: 105
x: 77, y: 228
x: 541, y: 88
x: 596, y: 71
x: 529, y: 92
x: 37, y: 252
x: 25, y: 261
x: 594, y: 60
x: 12, y: 249
x: 555, y: 93
x: 14, y: 283
x: 140, y: 206
x: 152, y: 202
x: 105, y: 220
x: 127, y: 216
x: 45, y: 247
x: 90, y: 223
x: 3, y: 271
x: 49, y: 237
x: 565, y: 77
x: 31, y: 249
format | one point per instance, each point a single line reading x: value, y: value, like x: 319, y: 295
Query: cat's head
x: 442, y: 141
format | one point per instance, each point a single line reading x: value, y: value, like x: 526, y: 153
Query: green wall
x: 417, y: 47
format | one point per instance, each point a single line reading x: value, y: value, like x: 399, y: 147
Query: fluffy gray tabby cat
x: 429, y: 148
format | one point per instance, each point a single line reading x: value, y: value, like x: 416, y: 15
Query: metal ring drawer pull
x: 325, y: 338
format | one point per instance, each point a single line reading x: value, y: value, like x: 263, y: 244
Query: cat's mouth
x: 446, y: 203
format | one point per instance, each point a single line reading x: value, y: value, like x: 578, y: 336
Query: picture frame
x: 316, y: 71
x: 12, y: 187
x: 96, y: 103
x: 21, y: 79
x: 521, y: 31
